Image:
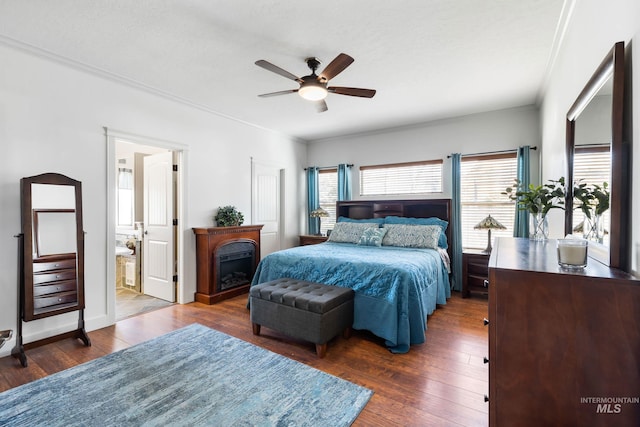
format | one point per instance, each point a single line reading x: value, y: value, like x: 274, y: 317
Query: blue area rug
x: 192, y: 376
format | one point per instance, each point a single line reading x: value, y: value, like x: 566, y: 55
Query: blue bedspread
x: 395, y: 288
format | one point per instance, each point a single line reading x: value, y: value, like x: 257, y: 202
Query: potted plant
x: 538, y: 200
x: 228, y: 216
x: 593, y: 202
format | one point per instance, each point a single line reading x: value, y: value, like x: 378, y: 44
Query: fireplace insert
x: 235, y: 261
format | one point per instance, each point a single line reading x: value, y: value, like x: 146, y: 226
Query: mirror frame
x: 27, y: 257
x: 613, y: 66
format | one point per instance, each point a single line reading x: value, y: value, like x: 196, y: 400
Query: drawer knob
x: 485, y: 283
x: 485, y: 321
x: 59, y: 299
x: 486, y: 398
x: 485, y: 360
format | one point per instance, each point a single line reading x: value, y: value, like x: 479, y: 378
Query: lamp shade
x: 319, y: 213
x: 489, y: 223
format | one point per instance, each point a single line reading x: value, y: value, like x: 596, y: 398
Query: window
x: 125, y: 196
x: 591, y: 165
x: 401, y: 178
x: 482, y: 179
x: 328, y: 183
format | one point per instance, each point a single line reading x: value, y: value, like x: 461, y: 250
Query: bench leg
x: 346, y: 334
x: 321, y: 350
x: 256, y: 328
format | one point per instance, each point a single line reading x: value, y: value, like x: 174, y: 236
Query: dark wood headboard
x: 423, y: 208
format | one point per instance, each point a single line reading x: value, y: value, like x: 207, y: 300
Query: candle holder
x: 572, y: 253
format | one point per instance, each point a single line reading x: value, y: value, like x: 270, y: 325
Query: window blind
x: 401, y: 178
x: 328, y: 183
x: 482, y: 179
x: 591, y: 165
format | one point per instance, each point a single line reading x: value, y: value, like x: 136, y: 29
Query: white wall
x: 492, y: 131
x: 51, y: 120
x: 593, y: 29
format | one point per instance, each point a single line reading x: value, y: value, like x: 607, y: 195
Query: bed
x: 396, y: 287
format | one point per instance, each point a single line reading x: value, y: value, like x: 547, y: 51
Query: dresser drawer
x: 63, y: 286
x: 39, y: 267
x: 41, y: 278
x: 55, y: 299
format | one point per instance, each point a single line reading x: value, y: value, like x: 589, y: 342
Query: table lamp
x: 489, y: 223
x: 319, y: 213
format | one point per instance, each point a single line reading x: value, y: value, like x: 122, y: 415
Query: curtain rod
x: 492, y: 152
x: 350, y: 165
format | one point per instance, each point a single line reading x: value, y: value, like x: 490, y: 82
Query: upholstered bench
x: 304, y: 310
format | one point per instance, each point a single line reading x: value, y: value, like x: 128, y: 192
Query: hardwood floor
x: 439, y: 383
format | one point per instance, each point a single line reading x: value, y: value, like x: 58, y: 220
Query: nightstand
x: 475, y: 272
x: 311, y: 239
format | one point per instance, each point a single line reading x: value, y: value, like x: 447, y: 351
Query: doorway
x: 145, y: 211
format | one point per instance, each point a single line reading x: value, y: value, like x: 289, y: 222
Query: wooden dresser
x: 564, y: 347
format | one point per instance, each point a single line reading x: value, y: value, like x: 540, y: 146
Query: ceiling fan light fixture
x: 313, y: 92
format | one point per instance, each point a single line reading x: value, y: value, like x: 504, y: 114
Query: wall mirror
x: 597, y: 154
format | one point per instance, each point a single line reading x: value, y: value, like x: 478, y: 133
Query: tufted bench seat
x: 305, y: 310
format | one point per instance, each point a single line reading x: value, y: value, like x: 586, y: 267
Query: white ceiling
x: 427, y: 59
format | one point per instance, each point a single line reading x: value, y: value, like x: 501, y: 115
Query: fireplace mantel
x: 208, y: 240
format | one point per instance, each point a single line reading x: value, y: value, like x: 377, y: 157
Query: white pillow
x: 412, y: 236
x: 349, y: 232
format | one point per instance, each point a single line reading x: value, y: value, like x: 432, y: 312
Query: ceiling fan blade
x: 336, y: 66
x: 352, y: 91
x: 275, y: 69
x: 282, y: 92
x: 321, y: 106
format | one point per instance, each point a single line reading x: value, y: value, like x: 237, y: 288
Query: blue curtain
x: 313, y: 198
x: 521, y: 223
x: 456, y: 224
x: 344, y: 182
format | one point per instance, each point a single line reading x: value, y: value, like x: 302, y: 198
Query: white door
x: 266, y: 206
x: 158, y: 241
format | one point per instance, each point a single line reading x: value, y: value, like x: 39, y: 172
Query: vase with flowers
x: 538, y: 200
x: 593, y: 201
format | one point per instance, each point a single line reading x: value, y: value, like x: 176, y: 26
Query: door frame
x: 181, y: 152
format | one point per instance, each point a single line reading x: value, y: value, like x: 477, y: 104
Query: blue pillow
x: 368, y: 220
x: 442, y: 241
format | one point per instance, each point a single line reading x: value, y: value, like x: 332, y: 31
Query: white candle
x: 572, y: 252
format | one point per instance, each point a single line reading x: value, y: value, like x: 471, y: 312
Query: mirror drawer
x: 55, y: 299
x: 41, y: 278
x: 39, y: 267
x: 64, y: 286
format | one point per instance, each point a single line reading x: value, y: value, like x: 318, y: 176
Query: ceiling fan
x: 314, y: 87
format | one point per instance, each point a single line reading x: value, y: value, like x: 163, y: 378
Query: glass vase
x: 538, y: 227
x: 593, y: 229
